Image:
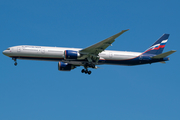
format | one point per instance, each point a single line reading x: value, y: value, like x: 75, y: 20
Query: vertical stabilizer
x: 158, y: 46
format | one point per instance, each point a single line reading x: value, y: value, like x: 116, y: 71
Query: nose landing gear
x: 15, y: 61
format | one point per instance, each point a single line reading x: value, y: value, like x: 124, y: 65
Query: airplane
x: 90, y: 57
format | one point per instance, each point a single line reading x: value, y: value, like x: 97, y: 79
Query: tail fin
x: 158, y: 46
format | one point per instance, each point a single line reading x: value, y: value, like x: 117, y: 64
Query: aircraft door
x: 42, y: 50
x: 18, y: 49
x: 110, y: 54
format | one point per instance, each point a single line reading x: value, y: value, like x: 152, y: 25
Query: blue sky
x: 36, y: 90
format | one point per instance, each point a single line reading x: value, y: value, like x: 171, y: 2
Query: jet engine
x: 65, y: 66
x: 70, y: 54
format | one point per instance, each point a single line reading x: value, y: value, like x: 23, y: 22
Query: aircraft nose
x: 4, y: 52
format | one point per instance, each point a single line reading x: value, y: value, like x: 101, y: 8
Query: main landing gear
x: 15, y: 61
x: 86, y: 71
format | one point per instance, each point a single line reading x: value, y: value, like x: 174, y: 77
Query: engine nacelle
x: 65, y: 66
x: 70, y: 54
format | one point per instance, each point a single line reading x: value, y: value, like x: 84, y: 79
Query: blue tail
x: 158, y: 46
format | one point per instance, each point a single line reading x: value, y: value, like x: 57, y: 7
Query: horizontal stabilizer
x: 163, y: 55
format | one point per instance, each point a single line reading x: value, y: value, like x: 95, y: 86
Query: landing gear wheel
x: 82, y: 70
x: 89, y: 72
x: 86, y: 71
x: 15, y: 63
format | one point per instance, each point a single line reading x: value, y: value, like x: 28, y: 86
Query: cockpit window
x: 8, y: 49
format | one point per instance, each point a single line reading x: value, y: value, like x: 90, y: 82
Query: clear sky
x: 36, y: 90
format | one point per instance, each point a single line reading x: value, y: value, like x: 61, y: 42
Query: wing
x: 97, y: 48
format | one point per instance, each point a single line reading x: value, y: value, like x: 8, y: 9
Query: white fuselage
x: 57, y: 54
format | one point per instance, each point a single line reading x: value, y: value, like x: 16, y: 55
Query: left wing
x: 97, y: 48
